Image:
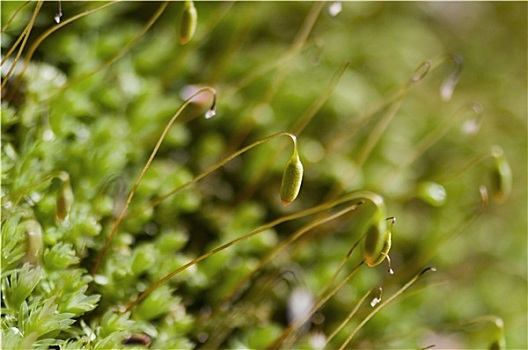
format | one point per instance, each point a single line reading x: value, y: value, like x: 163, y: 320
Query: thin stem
x: 309, y: 114
x: 352, y: 126
x: 378, y: 131
x: 340, y: 268
x: 216, y: 166
x: 297, y: 128
x: 356, y: 195
x: 278, y: 343
x: 120, y: 54
x: 298, y: 234
x: 227, y: 245
x: 58, y: 15
x: 377, y: 200
x: 497, y: 335
x: 463, y: 168
x: 50, y: 31
x: 25, y: 36
x: 283, y: 69
x: 385, y: 303
x: 359, y: 196
x: 394, y: 101
x: 147, y: 165
x: 351, y: 314
x: 175, y: 68
x: 20, y: 193
x: 6, y: 25
x: 428, y: 141
x: 284, y: 61
x: 426, y: 255
x: 297, y: 45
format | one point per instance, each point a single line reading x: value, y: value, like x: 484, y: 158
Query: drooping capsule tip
x: 335, y: 8
x: 446, y: 90
x: 188, y: 21
x: 285, y: 202
x: 210, y: 113
x: 375, y: 301
x: 58, y: 14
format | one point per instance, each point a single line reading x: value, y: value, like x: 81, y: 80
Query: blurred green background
x: 273, y: 65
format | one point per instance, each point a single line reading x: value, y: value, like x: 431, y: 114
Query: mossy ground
x: 276, y: 67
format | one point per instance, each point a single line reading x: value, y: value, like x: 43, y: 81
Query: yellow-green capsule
x: 291, y: 179
x: 34, y: 241
x: 501, y: 176
x: 432, y: 193
x: 378, y: 241
x: 64, y: 197
x: 188, y: 21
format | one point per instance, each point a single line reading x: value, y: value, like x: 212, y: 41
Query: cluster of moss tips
x: 105, y: 245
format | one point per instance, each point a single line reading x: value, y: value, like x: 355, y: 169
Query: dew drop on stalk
x: 58, y: 15
x: 421, y: 72
x: 446, y: 90
x: 48, y: 135
x: 471, y: 126
x: 335, y: 8
x: 101, y: 280
x: 448, y: 86
x: 375, y: 301
x: 210, y: 113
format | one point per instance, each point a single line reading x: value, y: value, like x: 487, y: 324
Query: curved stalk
x: 120, y: 54
x: 278, y: 343
x: 297, y: 128
x: 8, y: 23
x: 430, y: 140
x: 298, y: 234
x: 46, y: 34
x: 393, y: 102
x: 229, y: 244
x: 147, y: 165
x: 385, y: 303
x: 24, y: 37
x: 215, y: 167
x: 353, y: 312
x: 360, y: 196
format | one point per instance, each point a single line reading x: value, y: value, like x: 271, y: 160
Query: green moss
x: 358, y: 128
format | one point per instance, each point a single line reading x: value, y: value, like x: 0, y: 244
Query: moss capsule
x: 188, y: 21
x: 378, y: 242
x: 64, y: 197
x: 34, y: 242
x: 291, y: 179
x: 501, y: 176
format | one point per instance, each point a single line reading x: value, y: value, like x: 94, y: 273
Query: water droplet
x: 58, y: 16
x: 471, y: 127
x: 377, y: 298
x: 421, y: 72
x: 447, y: 88
x: 48, y: 135
x: 210, y: 113
x: 375, y: 301
x: 100, y: 279
x: 335, y: 8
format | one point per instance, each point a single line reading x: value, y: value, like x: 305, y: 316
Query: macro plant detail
x: 187, y: 22
x: 206, y: 175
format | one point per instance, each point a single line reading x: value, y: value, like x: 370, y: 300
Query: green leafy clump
x: 134, y: 217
